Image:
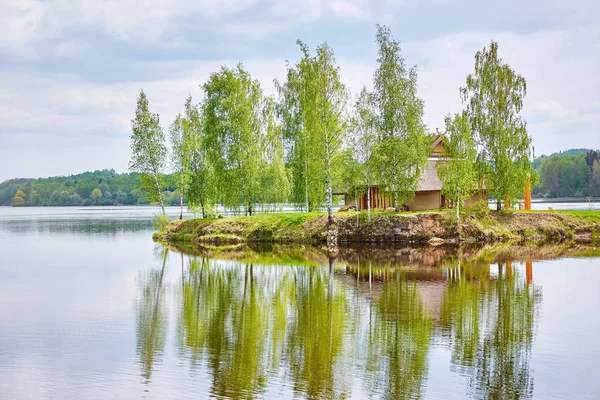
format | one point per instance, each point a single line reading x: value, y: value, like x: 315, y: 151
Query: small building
x: 428, y: 195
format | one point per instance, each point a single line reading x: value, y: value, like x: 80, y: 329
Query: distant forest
x: 105, y: 188
x: 571, y: 173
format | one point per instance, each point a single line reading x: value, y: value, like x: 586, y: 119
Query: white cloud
x: 355, y: 9
x: 62, y: 122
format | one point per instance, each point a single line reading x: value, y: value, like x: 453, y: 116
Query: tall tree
x: 403, y: 146
x: 326, y: 118
x: 363, y: 142
x: 201, y: 192
x: 182, y: 136
x: 458, y: 171
x: 306, y: 191
x: 276, y: 178
x: 494, y: 96
x: 313, y: 102
x: 231, y: 112
x: 148, y: 150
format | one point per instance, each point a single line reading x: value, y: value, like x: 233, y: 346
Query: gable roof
x: 429, y: 179
x: 437, y: 143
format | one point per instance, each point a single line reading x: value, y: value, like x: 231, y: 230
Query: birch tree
x: 494, y: 96
x: 363, y: 141
x: 201, y: 191
x: 276, y: 178
x: 231, y: 120
x: 402, y: 145
x: 458, y: 170
x: 181, y: 135
x: 308, y: 190
x: 148, y: 149
x: 313, y: 102
x: 326, y: 117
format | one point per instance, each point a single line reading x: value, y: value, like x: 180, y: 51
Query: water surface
x: 91, y: 308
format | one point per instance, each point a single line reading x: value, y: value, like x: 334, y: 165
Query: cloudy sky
x: 70, y: 71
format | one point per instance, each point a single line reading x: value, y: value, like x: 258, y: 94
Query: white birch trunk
x: 369, y: 203
x: 328, y: 194
x: 160, y: 199
x: 181, y: 199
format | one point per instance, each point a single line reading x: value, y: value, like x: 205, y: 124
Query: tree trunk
x: 203, y: 212
x: 458, y: 215
x: 160, y: 199
x: 328, y: 193
x: 306, y: 185
x: 369, y: 203
x: 250, y: 210
x: 181, y: 201
x: 356, y: 207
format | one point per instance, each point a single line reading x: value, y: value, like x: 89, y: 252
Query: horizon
x: 72, y: 73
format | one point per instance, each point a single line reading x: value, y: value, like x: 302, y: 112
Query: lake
x: 92, y: 308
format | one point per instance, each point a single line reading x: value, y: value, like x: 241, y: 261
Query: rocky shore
x: 387, y: 228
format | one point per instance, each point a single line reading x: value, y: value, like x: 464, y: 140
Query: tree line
x: 572, y: 173
x: 246, y: 150
x: 106, y: 188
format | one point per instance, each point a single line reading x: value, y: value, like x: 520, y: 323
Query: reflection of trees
x: 247, y: 323
x: 316, y: 331
x: 151, y: 318
x: 399, y: 340
x: 224, y: 316
x: 250, y: 323
x: 491, y: 325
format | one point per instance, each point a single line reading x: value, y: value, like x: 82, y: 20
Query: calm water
x: 91, y: 308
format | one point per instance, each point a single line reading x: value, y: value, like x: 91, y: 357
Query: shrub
x: 160, y: 222
x: 481, y: 208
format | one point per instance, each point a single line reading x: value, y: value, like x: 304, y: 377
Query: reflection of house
x: 428, y: 195
x: 430, y: 282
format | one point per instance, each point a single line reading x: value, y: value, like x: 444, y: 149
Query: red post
x: 528, y: 194
x: 529, y: 271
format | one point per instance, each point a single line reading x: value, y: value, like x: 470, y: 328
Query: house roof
x: 429, y: 179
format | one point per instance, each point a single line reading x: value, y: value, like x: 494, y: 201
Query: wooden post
x: 528, y: 194
x: 529, y: 271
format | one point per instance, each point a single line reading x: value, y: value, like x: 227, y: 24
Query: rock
x: 332, y: 239
x: 436, y: 241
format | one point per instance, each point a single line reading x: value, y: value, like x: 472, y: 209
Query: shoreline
x: 388, y: 228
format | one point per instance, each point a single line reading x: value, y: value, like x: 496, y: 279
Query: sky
x: 70, y: 71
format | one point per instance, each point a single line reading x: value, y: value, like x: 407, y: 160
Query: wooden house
x: 428, y: 195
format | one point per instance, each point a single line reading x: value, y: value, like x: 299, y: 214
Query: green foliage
x: 571, y: 173
x: 494, y: 96
x: 96, y: 195
x: 148, y: 149
x: 241, y: 139
x: 19, y: 199
x: 117, y: 189
x: 160, y: 222
x: 311, y: 106
x: 402, y: 146
x: 481, y: 208
x: 458, y: 171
